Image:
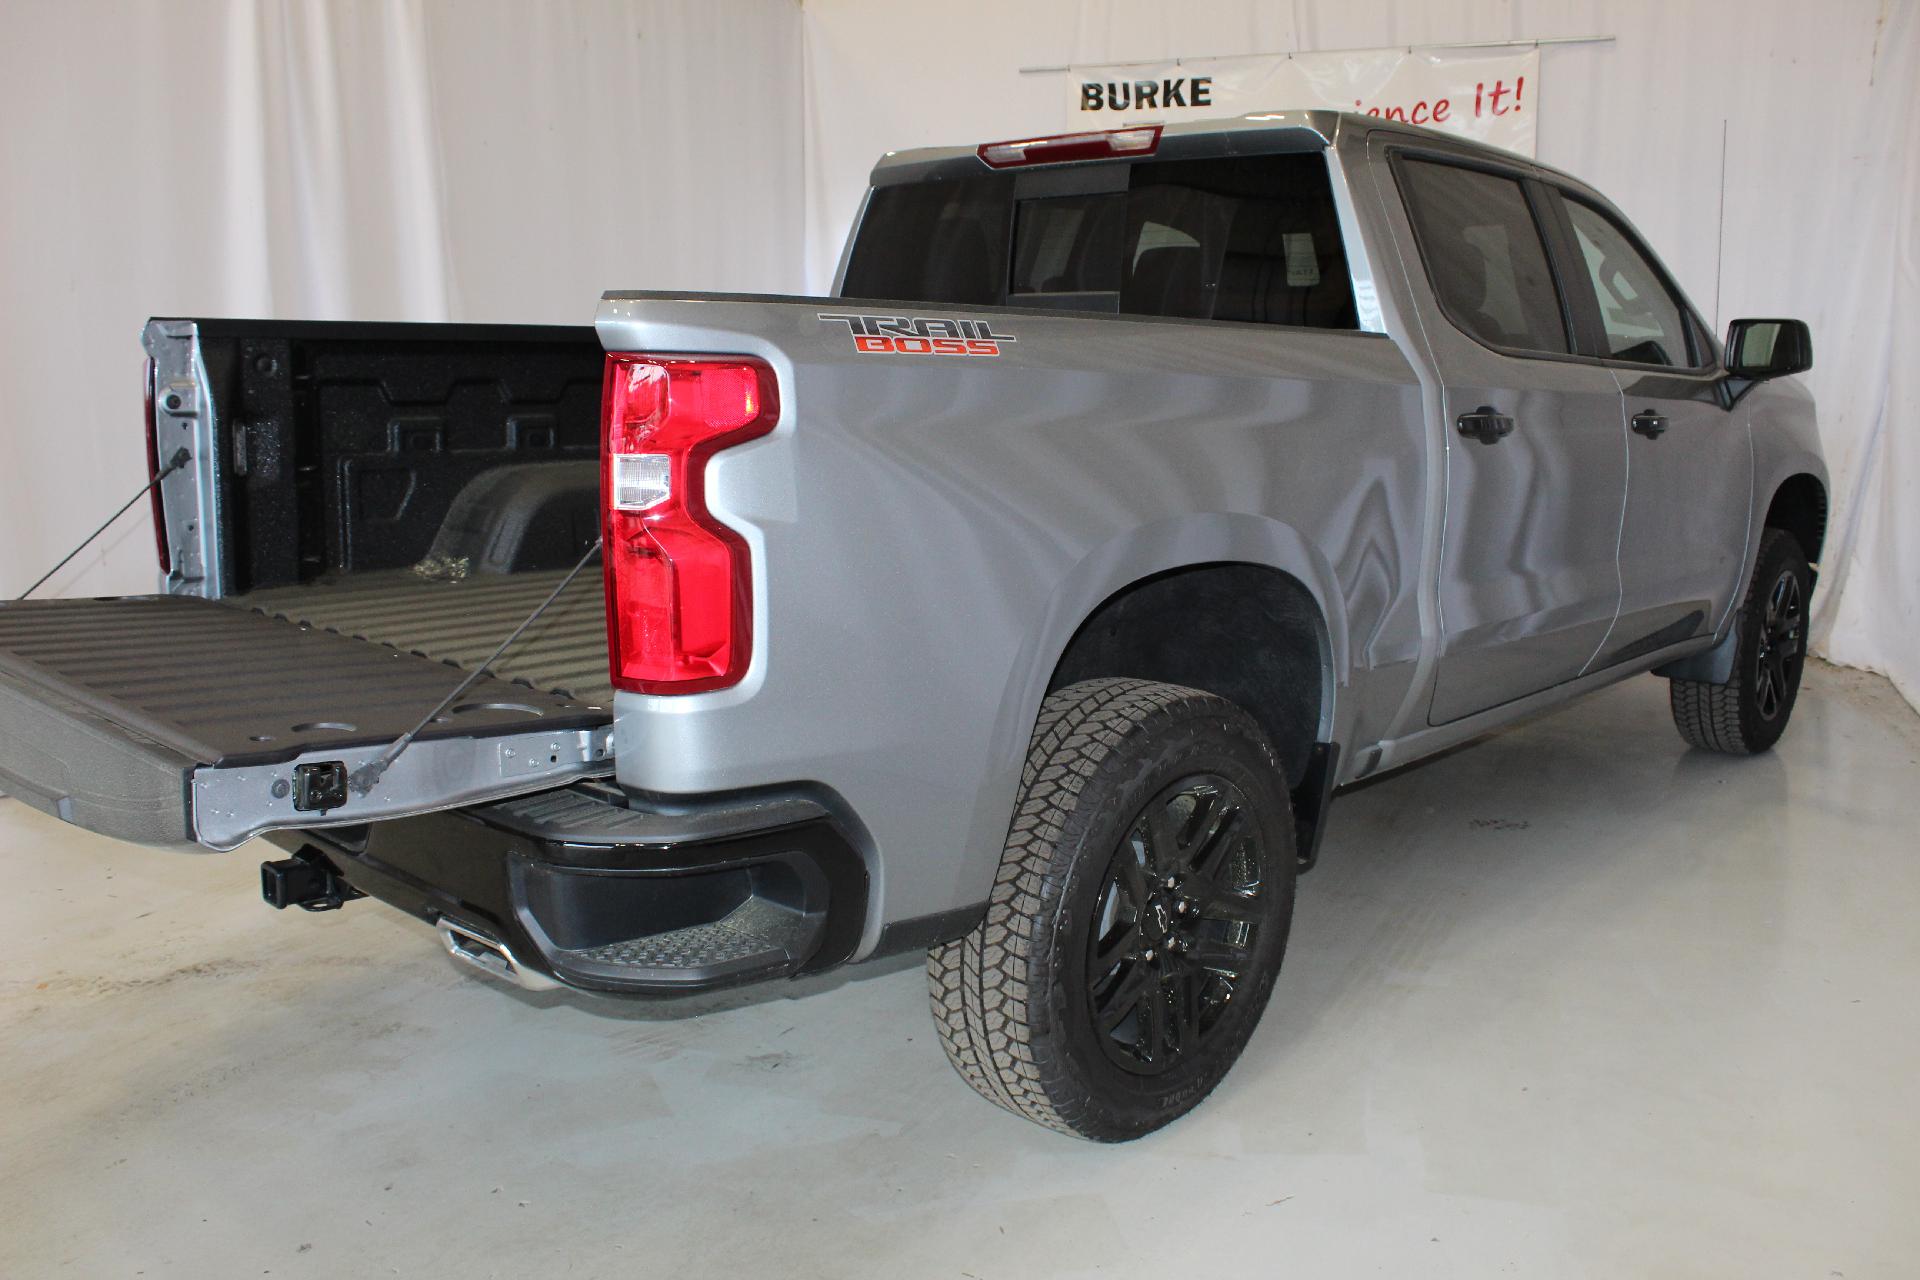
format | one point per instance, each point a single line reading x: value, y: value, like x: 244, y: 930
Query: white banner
x: 1489, y: 97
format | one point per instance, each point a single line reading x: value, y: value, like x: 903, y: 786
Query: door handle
x: 1649, y: 424
x: 1485, y: 424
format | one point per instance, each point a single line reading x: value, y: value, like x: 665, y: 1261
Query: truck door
x: 1536, y: 463
x: 1689, y: 461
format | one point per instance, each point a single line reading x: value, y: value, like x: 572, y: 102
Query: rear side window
x: 1485, y: 256
x: 1641, y: 318
x: 1251, y: 239
x: 1254, y: 239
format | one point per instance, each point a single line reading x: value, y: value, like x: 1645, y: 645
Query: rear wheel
x: 1138, y: 919
x: 1748, y: 714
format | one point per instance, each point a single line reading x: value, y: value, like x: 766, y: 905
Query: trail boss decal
x: 920, y: 335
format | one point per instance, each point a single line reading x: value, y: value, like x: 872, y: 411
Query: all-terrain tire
x: 1748, y: 713
x: 1100, y: 809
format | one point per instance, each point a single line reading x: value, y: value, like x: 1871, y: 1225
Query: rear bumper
x: 576, y: 888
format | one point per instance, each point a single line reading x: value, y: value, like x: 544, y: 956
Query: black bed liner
x: 113, y: 712
x: 340, y: 447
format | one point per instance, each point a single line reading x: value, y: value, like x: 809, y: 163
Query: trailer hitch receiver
x: 306, y: 880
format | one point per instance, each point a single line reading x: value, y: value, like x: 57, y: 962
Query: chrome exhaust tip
x: 466, y: 943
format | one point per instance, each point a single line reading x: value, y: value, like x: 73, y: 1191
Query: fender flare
x: 1178, y: 543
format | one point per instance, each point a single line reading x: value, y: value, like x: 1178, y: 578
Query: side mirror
x: 1760, y: 349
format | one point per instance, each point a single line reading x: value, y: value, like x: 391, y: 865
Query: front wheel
x: 1748, y: 714
x: 1138, y: 919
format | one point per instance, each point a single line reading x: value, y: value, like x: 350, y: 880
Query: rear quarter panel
x: 929, y: 531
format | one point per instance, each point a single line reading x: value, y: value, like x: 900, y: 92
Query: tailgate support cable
x: 367, y: 776
x: 180, y: 459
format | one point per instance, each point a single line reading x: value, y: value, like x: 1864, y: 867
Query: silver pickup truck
x: 1024, y: 601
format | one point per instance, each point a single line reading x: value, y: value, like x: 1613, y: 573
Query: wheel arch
x: 1796, y: 501
x: 1799, y: 506
x: 1247, y: 632
x: 1221, y: 576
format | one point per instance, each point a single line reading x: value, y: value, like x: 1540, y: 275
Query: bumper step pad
x: 757, y: 935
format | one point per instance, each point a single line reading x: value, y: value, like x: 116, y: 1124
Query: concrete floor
x: 1574, y: 1001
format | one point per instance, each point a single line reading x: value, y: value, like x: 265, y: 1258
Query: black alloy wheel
x: 1138, y: 918
x: 1782, y: 646
x: 1178, y: 917
x: 1749, y: 712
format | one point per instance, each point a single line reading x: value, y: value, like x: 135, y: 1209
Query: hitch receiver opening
x: 306, y: 880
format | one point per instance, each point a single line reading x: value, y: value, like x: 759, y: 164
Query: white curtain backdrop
x: 491, y: 160
x: 506, y: 160
x: 1819, y: 106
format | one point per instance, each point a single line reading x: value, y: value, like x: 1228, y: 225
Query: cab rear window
x: 1252, y: 239
x: 935, y: 242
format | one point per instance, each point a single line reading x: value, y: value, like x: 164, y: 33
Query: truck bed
x: 363, y: 513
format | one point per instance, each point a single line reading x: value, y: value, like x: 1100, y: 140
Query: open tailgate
x: 171, y: 720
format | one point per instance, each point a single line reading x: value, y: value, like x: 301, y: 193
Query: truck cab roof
x: 1255, y: 133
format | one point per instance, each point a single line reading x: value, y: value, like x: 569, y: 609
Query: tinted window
x: 1067, y: 252
x: 1251, y: 239
x: 1642, y: 319
x: 934, y: 242
x: 1485, y: 256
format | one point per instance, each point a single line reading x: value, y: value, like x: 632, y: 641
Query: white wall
x: 505, y: 160
x: 1820, y: 113
x: 356, y: 159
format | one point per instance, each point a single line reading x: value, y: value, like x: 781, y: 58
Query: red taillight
x: 679, y: 583
x: 153, y: 469
x: 1107, y: 144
